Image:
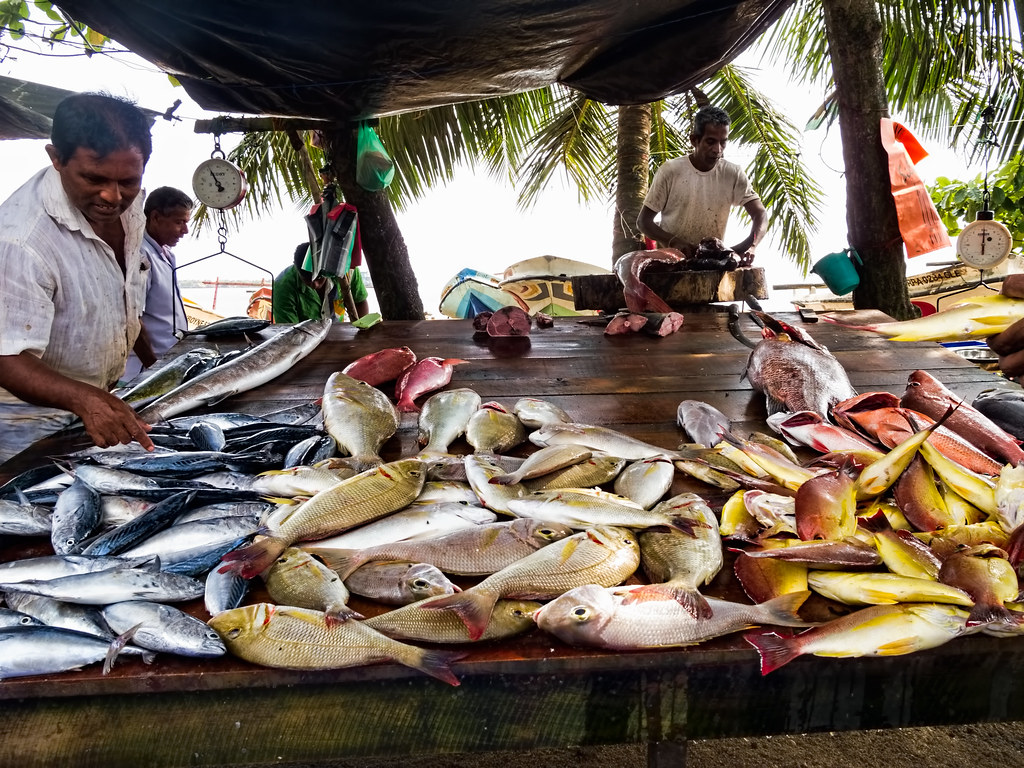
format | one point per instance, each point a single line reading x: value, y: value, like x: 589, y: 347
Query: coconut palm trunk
x: 632, y: 161
x: 854, y: 32
x: 387, y: 257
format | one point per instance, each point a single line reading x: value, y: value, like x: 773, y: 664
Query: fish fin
x: 1015, y: 546
x: 568, y: 549
x: 775, y: 651
x: 990, y: 613
x: 473, y: 608
x: 686, y: 525
x: 437, y: 664
x: 783, y: 609
x: 339, y: 613
x: 898, y: 647
x: 116, y: 646
x: 343, y: 561
x: 249, y: 562
x: 219, y: 397
x: 693, y: 601
x: 509, y: 479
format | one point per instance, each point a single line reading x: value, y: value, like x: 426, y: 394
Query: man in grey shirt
x: 167, y: 213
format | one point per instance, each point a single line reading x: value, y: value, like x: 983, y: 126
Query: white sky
x: 472, y: 222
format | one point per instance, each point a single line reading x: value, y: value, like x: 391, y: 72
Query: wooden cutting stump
x: 681, y: 290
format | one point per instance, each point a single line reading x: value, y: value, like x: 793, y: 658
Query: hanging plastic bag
x: 374, y: 167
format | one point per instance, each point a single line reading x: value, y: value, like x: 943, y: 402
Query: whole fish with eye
x: 399, y: 582
x: 299, y: 638
x: 261, y: 364
x: 974, y: 318
x: 606, y: 618
x: 794, y: 372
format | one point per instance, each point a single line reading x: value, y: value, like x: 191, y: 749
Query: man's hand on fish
x: 109, y: 421
x: 1009, y: 344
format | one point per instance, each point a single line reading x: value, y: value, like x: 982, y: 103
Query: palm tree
x: 528, y: 139
x: 939, y: 63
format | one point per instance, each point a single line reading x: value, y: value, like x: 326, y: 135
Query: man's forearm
x: 30, y: 379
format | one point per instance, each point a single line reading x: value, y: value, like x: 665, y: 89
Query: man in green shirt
x: 298, y: 297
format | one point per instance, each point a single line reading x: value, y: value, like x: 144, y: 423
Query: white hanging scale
x: 219, y: 183
x: 984, y: 243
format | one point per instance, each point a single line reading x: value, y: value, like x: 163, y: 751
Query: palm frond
x: 579, y: 140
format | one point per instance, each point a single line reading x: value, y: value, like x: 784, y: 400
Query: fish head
x: 579, y: 616
x: 539, y: 532
x: 235, y: 624
x: 422, y: 580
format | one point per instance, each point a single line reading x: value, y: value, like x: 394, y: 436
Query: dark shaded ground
x: 985, y: 745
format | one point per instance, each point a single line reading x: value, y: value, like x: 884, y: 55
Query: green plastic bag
x: 374, y: 167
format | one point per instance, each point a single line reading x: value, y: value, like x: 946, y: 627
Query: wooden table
x: 533, y: 691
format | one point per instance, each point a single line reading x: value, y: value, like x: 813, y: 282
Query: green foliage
x: 19, y: 19
x: 958, y: 202
x: 943, y: 62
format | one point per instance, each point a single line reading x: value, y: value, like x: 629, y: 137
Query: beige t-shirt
x: 695, y: 204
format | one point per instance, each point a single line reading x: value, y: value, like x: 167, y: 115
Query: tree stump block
x: 680, y: 290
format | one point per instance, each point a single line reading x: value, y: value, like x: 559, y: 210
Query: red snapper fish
x: 382, y: 366
x: 630, y: 268
x: 929, y: 396
x: 427, y: 375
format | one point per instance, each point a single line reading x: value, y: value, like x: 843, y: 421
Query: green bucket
x: 838, y: 271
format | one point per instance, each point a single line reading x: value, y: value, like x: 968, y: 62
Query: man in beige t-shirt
x: 694, y: 194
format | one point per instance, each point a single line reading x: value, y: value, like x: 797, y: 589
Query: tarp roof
x: 332, y: 59
x: 26, y: 108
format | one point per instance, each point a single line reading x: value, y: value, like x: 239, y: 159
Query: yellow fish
x: 976, y: 318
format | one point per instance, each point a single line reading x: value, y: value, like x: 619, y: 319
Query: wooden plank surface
x: 531, y: 691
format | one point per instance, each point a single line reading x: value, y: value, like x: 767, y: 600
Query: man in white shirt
x: 694, y: 194
x: 167, y: 213
x: 72, y: 278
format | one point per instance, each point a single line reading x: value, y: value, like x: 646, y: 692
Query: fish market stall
x: 532, y: 690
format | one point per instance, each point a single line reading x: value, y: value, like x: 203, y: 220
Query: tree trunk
x: 854, y: 32
x: 387, y: 258
x: 633, y: 153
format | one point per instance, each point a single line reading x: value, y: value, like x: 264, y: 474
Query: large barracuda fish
x: 259, y: 365
x: 975, y: 318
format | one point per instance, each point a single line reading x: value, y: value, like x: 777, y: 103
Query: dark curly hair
x: 166, y: 199
x: 709, y: 116
x: 99, y: 122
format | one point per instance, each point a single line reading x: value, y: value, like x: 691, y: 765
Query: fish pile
x: 908, y: 521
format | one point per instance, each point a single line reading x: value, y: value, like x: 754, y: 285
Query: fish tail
x: 437, y: 664
x: 775, y: 651
x: 782, y: 610
x: 687, y: 525
x: 249, y: 562
x: 473, y: 608
x: 406, y: 405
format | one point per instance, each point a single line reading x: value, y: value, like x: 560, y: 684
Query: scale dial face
x: 219, y: 183
x: 984, y: 244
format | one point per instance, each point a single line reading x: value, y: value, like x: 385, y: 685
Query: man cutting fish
x: 694, y: 194
x: 72, y: 278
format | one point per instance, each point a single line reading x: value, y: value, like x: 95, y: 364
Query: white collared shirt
x: 63, y: 297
